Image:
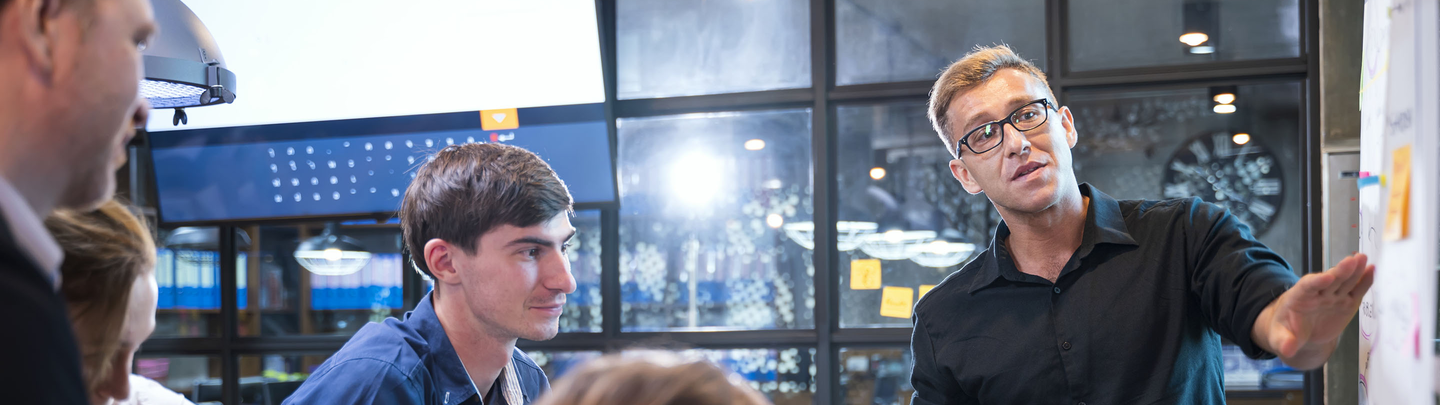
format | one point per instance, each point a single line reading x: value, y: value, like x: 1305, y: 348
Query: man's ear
x: 440, y: 258
x: 34, y: 23
x: 1067, y: 121
x: 962, y: 173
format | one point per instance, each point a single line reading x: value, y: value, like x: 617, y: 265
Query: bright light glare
x: 1224, y: 108
x: 695, y: 178
x: 1241, y: 138
x: 877, y: 173
x: 1194, y: 38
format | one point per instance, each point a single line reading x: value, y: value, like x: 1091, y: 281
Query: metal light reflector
x: 183, y: 65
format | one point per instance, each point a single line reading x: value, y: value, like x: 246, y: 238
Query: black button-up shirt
x: 1135, y: 316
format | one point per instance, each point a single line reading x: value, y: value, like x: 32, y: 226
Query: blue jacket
x: 409, y: 362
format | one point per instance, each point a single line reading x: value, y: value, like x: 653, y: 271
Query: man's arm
x: 933, y: 386
x: 359, y: 381
x: 1303, y: 325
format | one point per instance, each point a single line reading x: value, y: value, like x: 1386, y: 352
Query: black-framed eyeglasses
x: 990, y: 135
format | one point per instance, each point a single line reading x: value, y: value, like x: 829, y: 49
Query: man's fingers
x: 1318, y: 283
x: 1351, y: 277
x: 1347, y: 273
x: 1366, y: 280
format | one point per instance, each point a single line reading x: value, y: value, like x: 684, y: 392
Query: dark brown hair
x: 971, y: 70
x: 650, y: 378
x: 106, y: 250
x: 467, y: 190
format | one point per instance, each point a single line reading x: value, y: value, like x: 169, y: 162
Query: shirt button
x: 1057, y: 291
x: 1066, y: 346
x: 1081, y: 403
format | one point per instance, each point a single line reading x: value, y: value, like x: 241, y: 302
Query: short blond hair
x: 650, y: 377
x: 975, y: 68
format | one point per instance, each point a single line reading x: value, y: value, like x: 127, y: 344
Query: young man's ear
x: 33, y: 22
x: 439, y: 257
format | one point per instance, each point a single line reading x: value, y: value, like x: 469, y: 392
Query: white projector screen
x: 322, y: 60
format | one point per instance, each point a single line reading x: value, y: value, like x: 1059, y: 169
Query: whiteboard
x: 1400, y: 103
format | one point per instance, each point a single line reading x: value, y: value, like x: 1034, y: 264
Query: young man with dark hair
x: 490, y: 224
x: 1085, y: 299
x: 69, y: 102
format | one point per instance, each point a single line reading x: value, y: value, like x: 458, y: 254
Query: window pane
x: 582, y: 308
x: 902, y: 214
x: 691, y: 47
x: 179, y: 373
x: 339, y: 298
x: 556, y: 364
x: 887, y: 41
x: 1105, y: 34
x: 785, y: 375
x: 1165, y: 144
x: 879, y: 376
x: 187, y: 267
x: 275, y: 375
x: 705, y: 199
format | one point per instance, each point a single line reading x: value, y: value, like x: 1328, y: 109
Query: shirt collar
x: 451, y: 378
x: 1104, y: 224
x: 29, y: 232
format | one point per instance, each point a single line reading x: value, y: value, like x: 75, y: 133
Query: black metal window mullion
x: 229, y: 317
x: 823, y: 148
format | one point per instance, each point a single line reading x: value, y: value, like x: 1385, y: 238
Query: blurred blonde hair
x: 650, y: 378
x: 106, y: 250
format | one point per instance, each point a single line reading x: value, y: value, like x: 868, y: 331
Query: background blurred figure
x: 650, y: 378
x: 109, y: 285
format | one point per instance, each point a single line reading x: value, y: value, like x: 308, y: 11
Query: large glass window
x: 187, y: 270
x: 582, y: 307
x: 785, y: 375
x: 705, y: 201
x: 889, y: 41
x: 281, y: 296
x: 557, y: 363
x: 875, y: 376
x: 1109, y: 34
x: 692, y: 47
x: 1172, y: 143
x: 904, y: 221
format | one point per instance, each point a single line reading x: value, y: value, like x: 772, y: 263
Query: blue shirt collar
x: 449, y: 373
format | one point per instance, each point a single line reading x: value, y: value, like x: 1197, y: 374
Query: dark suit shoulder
x: 44, y: 358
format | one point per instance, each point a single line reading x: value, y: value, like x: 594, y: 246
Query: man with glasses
x: 1081, y: 298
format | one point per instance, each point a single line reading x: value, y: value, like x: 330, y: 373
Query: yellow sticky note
x: 1397, y: 213
x: 865, y: 274
x: 896, y: 302
x: 925, y: 288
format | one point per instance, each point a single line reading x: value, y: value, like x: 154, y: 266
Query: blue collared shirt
x: 411, y: 362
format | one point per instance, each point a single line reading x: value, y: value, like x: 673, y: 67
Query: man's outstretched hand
x: 1303, y: 325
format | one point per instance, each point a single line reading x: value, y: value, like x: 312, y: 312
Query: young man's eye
x: 565, y: 247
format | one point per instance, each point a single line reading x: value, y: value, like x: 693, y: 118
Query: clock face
x: 1242, y: 177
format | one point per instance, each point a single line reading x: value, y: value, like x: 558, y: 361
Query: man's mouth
x: 1027, y: 169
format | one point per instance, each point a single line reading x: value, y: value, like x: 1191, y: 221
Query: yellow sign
x: 896, y: 302
x: 494, y: 120
x: 865, y: 274
x: 1397, y: 213
x: 925, y: 288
